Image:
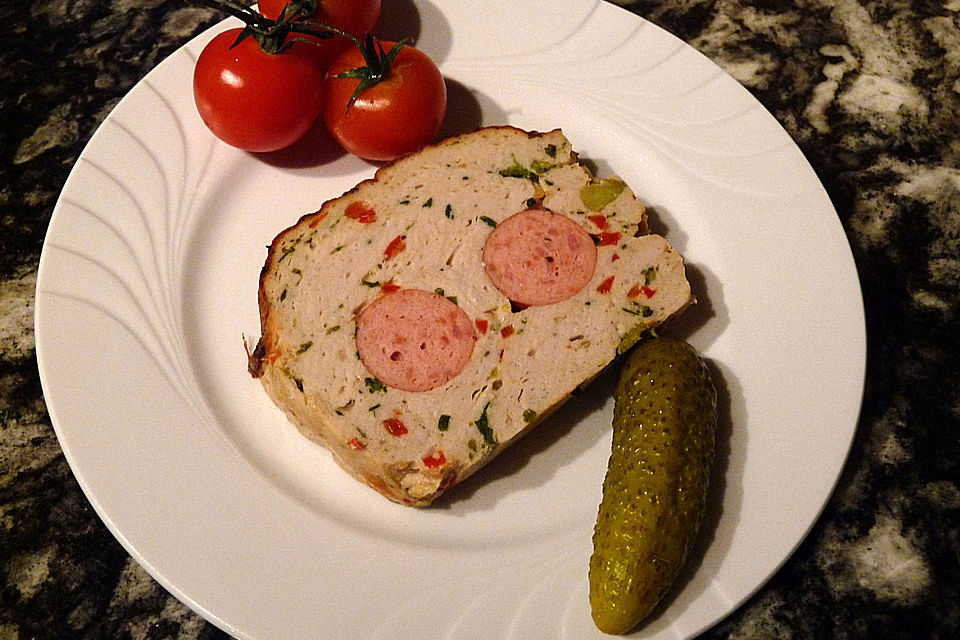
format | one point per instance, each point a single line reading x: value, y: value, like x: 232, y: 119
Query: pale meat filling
x: 338, y: 267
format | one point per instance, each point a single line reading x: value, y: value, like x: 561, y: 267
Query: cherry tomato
x: 398, y: 115
x: 356, y: 17
x: 254, y: 100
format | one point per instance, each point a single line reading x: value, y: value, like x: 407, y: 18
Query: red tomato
x: 254, y: 100
x: 356, y: 17
x: 398, y: 115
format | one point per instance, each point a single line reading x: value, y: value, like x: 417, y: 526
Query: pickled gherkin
x: 655, y: 489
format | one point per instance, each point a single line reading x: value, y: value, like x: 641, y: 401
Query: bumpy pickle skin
x: 655, y: 489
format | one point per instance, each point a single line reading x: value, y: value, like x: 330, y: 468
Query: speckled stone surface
x: 871, y: 93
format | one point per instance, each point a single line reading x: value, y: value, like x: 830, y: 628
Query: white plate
x: 148, y: 281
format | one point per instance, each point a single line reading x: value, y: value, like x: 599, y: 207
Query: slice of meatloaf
x: 424, y: 320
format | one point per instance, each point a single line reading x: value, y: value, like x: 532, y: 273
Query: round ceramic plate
x: 148, y: 283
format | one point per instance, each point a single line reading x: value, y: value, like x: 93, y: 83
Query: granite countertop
x: 870, y: 91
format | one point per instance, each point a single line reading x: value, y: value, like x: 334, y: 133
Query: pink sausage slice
x: 414, y: 340
x: 538, y: 257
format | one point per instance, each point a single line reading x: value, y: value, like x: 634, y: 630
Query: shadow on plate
x: 708, y: 317
x: 464, y: 110
x: 423, y: 23
x: 317, y: 147
x: 399, y: 19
